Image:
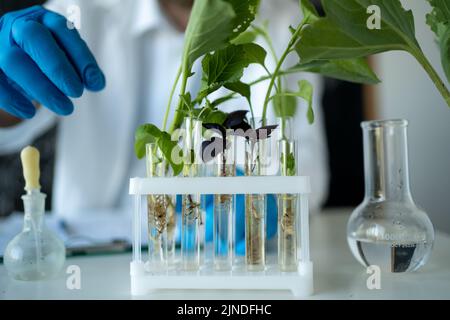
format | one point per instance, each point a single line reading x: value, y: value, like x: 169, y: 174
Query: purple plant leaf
x: 235, y: 118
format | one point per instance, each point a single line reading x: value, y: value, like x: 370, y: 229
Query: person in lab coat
x: 138, y: 46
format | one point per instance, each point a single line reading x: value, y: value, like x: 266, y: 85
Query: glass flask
x: 287, y: 210
x: 224, y: 209
x: 36, y: 253
x: 161, y: 214
x: 191, y: 216
x: 388, y: 229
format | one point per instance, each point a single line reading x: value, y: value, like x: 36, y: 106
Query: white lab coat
x: 139, y: 51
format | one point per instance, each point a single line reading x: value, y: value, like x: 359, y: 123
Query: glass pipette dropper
x: 31, y: 173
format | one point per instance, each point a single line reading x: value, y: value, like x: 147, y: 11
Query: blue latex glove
x: 271, y: 222
x: 42, y: 60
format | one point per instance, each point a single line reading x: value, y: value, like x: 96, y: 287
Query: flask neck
x: 34, y: 207
x: 386, y: 161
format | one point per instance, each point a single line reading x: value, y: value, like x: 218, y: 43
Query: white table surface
x: 337, y: 275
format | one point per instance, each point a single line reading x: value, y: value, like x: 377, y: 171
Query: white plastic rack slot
x: 300, y: 283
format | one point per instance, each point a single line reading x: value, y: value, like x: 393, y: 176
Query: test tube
x: 157, y: 209
x: 224, y: 205
x: 191, y: 203
x: 171, y: 227
x: 255, y: 207
x: 287, y: 210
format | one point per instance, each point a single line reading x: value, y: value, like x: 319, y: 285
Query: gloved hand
x: 43, y: 60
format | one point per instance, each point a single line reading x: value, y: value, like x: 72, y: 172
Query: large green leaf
x: 439, y: 16
x: 210, y: 27
x: 227, y: 66
x: 344, y: 34
x: 241, y: 88
x: 439, y: 21
x: 352, y: 70
x: 254, y: 53
x: 246, y: 11
x: 147, y: 133
x: 213, y: 23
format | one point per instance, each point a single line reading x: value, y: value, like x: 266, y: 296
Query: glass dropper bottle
x: 36, y: 253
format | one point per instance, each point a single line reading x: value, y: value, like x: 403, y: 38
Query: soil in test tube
x: 157, y: 206
x: 171, y: 227
x: 255, y: 232
x: 287, y: 244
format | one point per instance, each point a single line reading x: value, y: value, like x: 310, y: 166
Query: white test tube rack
x: 300, y: 283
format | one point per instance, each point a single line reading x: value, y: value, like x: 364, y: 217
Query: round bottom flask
x: 36, y: 253
x: 388, y: 230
